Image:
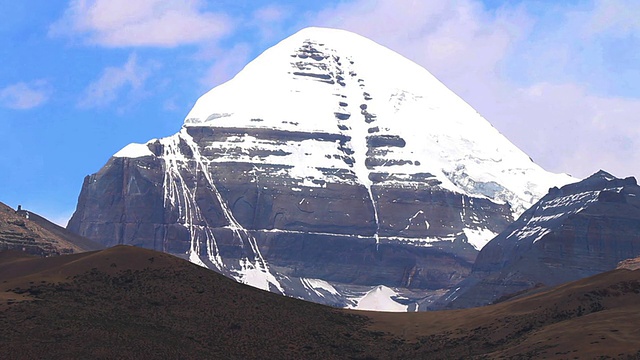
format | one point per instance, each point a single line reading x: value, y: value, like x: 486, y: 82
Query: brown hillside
x: 28, y: 232
x: 131, y: 303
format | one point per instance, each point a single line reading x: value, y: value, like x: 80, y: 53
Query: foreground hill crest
x: 127, y: 302
x: 328, y: 158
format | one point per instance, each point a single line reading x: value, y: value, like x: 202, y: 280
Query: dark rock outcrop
x: 327, y: 231
x: 576, y: 231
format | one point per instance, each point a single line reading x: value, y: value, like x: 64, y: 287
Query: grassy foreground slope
x: 131, y: 303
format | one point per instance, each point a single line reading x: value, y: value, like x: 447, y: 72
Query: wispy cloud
x: 566, y: 128
x: 125, y: 23
x: 60, y: 218
x: 456, y: 40
x: 269, y: 21
x: 229, y: 62
x: 271, y: 14
x: 618, y: 17
x: 23, y: 96
x: 114, y: 81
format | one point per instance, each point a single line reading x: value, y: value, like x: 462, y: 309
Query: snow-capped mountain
x: 327, y: 158
x: 576, y: 231
x: 392, y: 115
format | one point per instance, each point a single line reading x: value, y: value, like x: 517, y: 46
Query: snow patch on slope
x: 134, y: 150
x: 319, y: 286
x: 380, y: 298
x: 478, y: 238
x: 548, y: 212
x: 257, y: 275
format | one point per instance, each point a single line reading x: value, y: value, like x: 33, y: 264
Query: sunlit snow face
x: 397, y: 117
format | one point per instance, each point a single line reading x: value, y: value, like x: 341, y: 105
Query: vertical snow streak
x: 179, y: 196
x: 212, y: 249
x: 263, y: 277
x: 358, y: 130
x: 375, y: 216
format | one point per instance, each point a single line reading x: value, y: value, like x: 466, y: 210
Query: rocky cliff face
x: 328, y: 160
x: 576, y: 231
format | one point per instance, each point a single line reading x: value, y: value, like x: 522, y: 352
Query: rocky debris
x: 629, y: 264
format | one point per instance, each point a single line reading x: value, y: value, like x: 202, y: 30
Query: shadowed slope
x: 579, y: 230
x: 593, y: 317
x: 81, y: 242
x: 128, y: 302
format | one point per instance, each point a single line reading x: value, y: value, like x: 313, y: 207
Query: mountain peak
x: 578, y: 230
x: 328, y: 34
x: 600, y: 179
x: 601, y: 174
x: 314, y: 59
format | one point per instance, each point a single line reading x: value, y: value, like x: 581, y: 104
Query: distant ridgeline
x: 25, y: 231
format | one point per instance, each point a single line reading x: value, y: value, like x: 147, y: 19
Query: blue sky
x: 79, y: 80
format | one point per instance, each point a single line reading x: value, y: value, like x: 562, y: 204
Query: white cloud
x: 23, y: 96
x: 114, y: 80
x: 270, y: 14
x: 567, y: 129
x: 228, y: 64
x: 452, y: 39
x: 619, y: 17
x: 537, y: 74
x: 123, y: 23
x: 269, y: 21
x: 170, y: 104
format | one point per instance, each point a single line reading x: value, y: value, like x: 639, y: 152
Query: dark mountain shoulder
x: 579, y: 230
